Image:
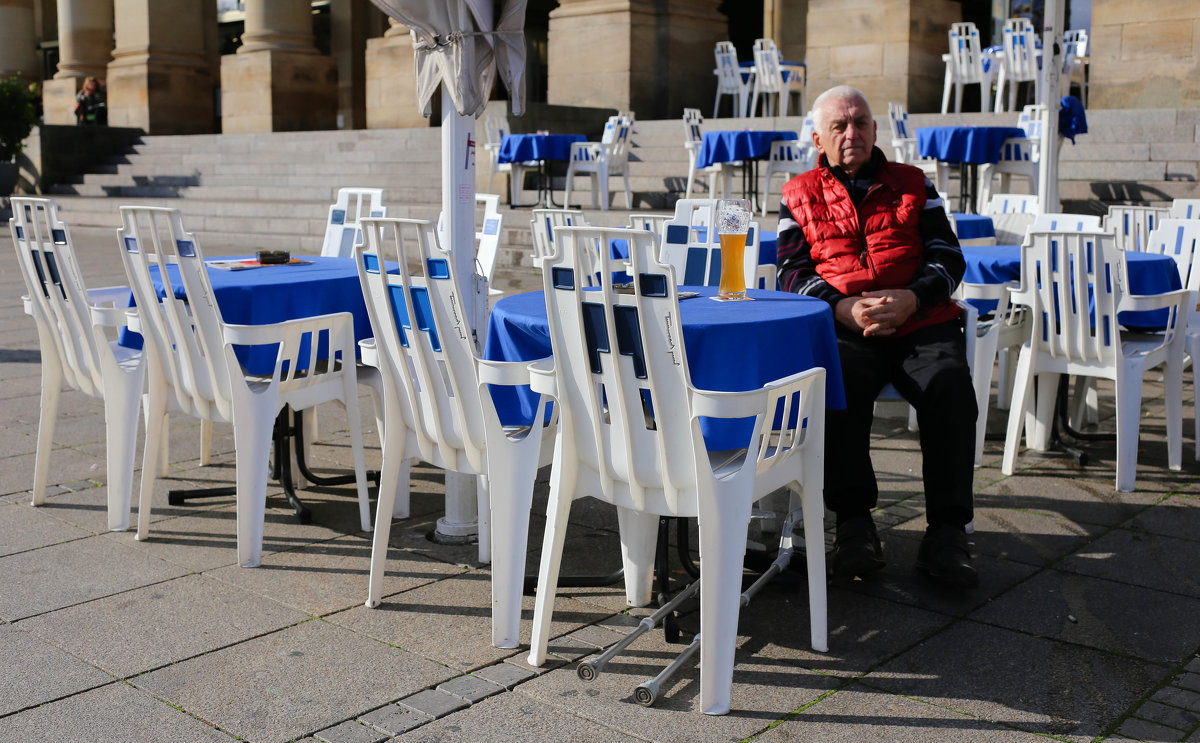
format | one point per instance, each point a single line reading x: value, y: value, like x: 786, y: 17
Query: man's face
x: 847, y: 134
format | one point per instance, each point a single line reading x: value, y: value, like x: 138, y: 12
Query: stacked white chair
x: 495, y: 128
x: 191, y: 366
x: 1020, y: 62
x: 1018, y: 156
x: 964, y: 66
x: 487, y: 237
x: 608, y: 451
x: 1133, y: 224
x: 693, y: 138
x: 691, y: 246
x: 1074, y: 284
x: 655, y: 223
x: 1185, y: 209
x: 75, y: 328
x: 771, y: 81
x: 1075, y: 45
x: 1011, y: 215
x: 602, y: 160
x: 729, y: 80
x: 341, y: 229
x: 439, y: 407
x: 542, y: 226
x: 904, y: 148
x: 1063, y: 222
x: 1180, y: 239
x: 790, y: 157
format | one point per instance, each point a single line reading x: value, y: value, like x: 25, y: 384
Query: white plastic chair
x: 1004, y: 328
x: 729, y: 80
x: 770, y: 79
x: 1075, y: 44
x: 1185, y: 209
x: 341, y: 229
x: 691, y: 246
x: 542, y: 226
x: 74, y: 325
x: 964, y: 66
x: 1062, y: 222
x: 1062, y: 273
x: 904, y: 148
x: 607, y: 449
x: 1020, y: 62
x: 1180, y: 239
x: 1012, y: 215
x: 655, y: 223
x: 602, y: 160
x: 1018, y: 156
x: 693, y: 138
x: 487, y: 237
x: 789, y: 157
x: 191, y: 366
x: 1133, y: 224
x: 495, y: 129
x: 438, y: 407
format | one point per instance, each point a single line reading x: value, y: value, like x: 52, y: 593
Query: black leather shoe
x: 946, y: 558
x: 856, y: 550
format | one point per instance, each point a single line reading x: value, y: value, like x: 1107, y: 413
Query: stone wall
x: 1145, y: 55
x: 890, y: 49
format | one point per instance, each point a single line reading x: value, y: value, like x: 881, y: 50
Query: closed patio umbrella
x: 460, y: 45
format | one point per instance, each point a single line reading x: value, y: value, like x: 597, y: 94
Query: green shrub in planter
x: 17, y: 117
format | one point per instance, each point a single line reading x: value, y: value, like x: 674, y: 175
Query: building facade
x: 194, y: 66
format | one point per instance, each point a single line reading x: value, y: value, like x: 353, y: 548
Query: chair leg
x: 567, y: 188
x: 981, y: 371
x: 252, y: 432
x: 949, y: 82
x: 687, y: 194
x: 52, y: 380
x: 639, y: 537
x: 958, y: 93
x: 206, y: 433
x: 121, y: 412
x: 155, y: 414
x: 1129, y: 406
x: 1022, y: 391
x: 600, y: 190
x: 813, y: 512
x: 722, y: 529
x: 558, y: 511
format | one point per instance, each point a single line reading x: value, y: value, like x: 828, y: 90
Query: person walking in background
x: 90, y: 106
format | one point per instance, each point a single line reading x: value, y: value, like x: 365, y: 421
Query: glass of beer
x: 733, y: 222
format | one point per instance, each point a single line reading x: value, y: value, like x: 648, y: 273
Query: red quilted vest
x: 878, y: 245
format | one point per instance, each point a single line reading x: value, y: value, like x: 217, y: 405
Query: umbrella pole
x: 1052, y: 39
x: 461, y: 522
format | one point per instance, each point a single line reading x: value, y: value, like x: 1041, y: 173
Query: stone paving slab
x: 857, y: 713
x: 1035, y: 684
x: 24, y: 660
x: 24, y: 528
x: 512, y: 718
x: 1103, y: 614
x: 332, y: 576
x: 1177, y: 516
x: 1149, y: 560
x: 73, y: 572
x: 68, y: 465
x: 112, y: 712
x: 292, y: 683
x: 450, y: 621
x: 139, y: 630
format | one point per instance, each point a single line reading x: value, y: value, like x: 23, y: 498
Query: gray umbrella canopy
x: 461, y: 44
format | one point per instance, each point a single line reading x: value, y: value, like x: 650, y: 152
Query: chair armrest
x: 261, y: 335
x: 749, y: 403
x: 541, y: 377
x: 506, y: 373
x: 112, y: 317
x: 586, y: 151
x: 368, y: 352
x: 1143, y: 302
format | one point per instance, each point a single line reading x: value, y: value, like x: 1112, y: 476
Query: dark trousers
x: 929, y: 368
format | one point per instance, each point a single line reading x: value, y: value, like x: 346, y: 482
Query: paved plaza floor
x: 1085, y: 627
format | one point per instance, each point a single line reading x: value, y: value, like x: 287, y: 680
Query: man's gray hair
x: 836, y: 93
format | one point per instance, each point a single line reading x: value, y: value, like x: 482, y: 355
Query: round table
x: 730, y: 346
x: 968, y: 146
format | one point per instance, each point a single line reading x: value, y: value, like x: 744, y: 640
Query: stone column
x: 161, y: 77
x: 890, y: 49
x: 351, y: 24
x: 85, y: 46
x: 653, y: 57
x: 18, y: 49
x: 392, y: 80
x: 786, y: 21
x: 278, y: 81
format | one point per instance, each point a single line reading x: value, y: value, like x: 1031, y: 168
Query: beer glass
x: 733, y: 222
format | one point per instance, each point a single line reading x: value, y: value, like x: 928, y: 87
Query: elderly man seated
x: 871, y: 237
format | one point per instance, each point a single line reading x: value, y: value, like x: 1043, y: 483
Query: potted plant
x: 17, y: 119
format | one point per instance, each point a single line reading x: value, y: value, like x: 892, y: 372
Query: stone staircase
x: 243, y: 192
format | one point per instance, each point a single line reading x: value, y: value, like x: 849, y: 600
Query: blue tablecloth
x: 516, y: 148
x: 271, y: 294
x: 727, y: 146
x: 964, y: 144
x: 973, y: 226
x: 776, y: 335
x: 1149, y: 273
